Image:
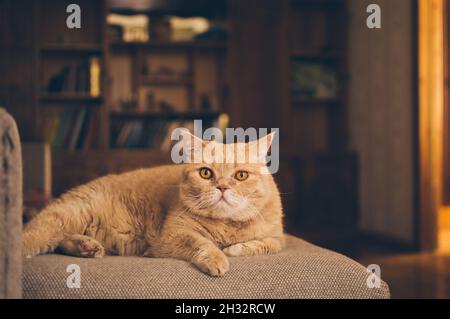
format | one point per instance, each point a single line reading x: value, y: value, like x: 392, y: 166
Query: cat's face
x: 234, y: 191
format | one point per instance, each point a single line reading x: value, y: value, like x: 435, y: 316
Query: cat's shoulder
x: 174, y: 170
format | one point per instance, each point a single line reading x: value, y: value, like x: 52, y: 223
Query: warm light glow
x: 431, y: 99
x: 444, y: 229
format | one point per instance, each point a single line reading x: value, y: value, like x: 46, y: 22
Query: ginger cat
x: 200, y: 213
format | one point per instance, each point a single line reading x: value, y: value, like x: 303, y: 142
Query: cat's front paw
x: 29, y: 247
x: 91, y: 248
x: 28, y: 251
x: 82, y: 246
x: 235, y: 250
x: 215, y: 264
x: 255, y: 247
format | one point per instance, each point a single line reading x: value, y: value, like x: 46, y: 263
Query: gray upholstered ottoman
x: 301, y: 270
x: 10, y: 208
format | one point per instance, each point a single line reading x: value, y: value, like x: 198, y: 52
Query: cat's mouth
x: 224, y: 200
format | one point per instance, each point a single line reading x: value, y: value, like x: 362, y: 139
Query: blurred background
x: 362, y: 112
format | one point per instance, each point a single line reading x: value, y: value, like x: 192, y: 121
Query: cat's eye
x: 206, y: 173
x: 241, y: 175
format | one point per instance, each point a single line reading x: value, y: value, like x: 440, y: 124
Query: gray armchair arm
x: 10, y: 208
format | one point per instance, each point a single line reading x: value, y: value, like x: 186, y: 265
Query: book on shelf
x: 63, y: 128
x: 50, y: 128
x: 84, y: 77
x: 85, y: 135
x: 75, y: 135
x: 69, y: 129
x: 94, y: 76
x: 134, y: 136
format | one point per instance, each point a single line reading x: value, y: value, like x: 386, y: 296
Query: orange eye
x: 206, y: 173
x: 241, y: 175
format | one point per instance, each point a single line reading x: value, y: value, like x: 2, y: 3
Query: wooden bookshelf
x: 320, y: 154
x: 49, y: 47
x: 318, y: 37
x: 48, y: 50
x: 191, y: 51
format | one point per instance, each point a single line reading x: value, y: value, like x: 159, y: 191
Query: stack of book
x: 71, y: 129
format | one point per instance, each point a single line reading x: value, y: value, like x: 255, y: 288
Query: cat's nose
x: 222, y: 188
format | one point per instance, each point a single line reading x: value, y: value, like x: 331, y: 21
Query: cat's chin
x: 225, y: 212
x: 224, y: 208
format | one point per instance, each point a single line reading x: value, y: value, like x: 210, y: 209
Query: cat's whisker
x: 259, y: 214
x: 203, y: 202
x: 250, y: 206
x: 256, y: 211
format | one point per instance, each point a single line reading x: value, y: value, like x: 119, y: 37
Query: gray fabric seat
x: 301, y: 270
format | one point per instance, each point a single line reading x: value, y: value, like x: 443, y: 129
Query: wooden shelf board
x: 169, y: 116
x: 76, y: 47
x: 69, y: 97
x: 176, y: 45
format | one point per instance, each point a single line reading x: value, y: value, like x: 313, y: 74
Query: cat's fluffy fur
x: 168, y: 211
